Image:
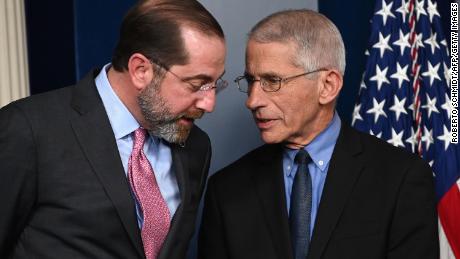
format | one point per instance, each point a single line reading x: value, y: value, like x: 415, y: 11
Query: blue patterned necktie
x: 299, y: 215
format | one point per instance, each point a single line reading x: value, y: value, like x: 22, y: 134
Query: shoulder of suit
x: 43, y: 102
x: 49, y: 107
x: 247, y: 162
x: 375, y: 148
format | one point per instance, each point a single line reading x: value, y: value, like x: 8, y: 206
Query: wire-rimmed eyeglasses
x: 268, y: 84
x: 220, y: 84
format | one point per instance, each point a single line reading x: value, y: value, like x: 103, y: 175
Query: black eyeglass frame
x: 265, y: 85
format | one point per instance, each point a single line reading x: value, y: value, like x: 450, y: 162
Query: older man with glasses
x: 114, y: 167
x: 317, y: 188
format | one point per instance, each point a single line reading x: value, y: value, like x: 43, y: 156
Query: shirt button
x: 320, y: 162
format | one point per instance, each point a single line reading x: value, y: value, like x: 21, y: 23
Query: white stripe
x: 446, y: 251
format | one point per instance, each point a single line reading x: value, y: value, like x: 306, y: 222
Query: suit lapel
x: 180, y: 162
x: 345, y: 167
x: 94, y: 133
x: 269, y: 182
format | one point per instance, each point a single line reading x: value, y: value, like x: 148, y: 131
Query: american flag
x: 404, y: 98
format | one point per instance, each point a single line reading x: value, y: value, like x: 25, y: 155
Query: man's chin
x: 180, y: 137
x: 177, y: 133
x: 269, y: 138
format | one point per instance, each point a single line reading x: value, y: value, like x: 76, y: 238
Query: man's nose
x: 255, y: 96
x: 207, y: 100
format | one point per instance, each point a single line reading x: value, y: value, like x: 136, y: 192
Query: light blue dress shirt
x: 158, y: 153
x: 320, y: 150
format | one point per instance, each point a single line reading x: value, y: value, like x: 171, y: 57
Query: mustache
x: 193, y: 115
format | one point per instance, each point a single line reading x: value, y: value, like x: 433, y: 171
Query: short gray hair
x: 318, y: 41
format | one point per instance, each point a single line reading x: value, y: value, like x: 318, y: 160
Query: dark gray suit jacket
x: 63, y: 190
x: 378, y: 202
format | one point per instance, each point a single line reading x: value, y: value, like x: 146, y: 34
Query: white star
x: 398, y: 107
x: 448, y: 106
x: 412, y: 108
x: 380, y: 76
x: 356, y: 115
x: 430, y: 105
x: 444, y: 42
x: 432, y: 72
x: 366, y: 52
x: 431, y: 165
x: 403, y: 9
x: 385, y: 11
x: 362, y: 86
x: 447, y: 73
x: 419, y: 9
x: 445, y: 137
x: 419, y: 40
x: 432, y: 10
x: 402, y: 42
x: 383, y: 44
x: 427, y: 137
x: 373, y: 134
x: 432, y: 42
x: 412, y: 140
x: 401, y: 74
x: 396, y: 138
x: 377, y: 110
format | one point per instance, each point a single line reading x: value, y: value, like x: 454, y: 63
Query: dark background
x: 66, y: 39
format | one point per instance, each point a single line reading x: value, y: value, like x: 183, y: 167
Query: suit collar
x: 122, y: 121
x: 345, y: 167
x: 95, y: 136
x: 268, y: 179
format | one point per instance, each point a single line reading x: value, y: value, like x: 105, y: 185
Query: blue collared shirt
x: 158, y: 153
x: 320, y: 150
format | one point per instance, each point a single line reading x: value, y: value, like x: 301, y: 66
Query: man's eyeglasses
x: 268, y: 84
x: 219, y: 84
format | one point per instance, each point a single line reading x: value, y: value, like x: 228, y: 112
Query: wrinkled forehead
x: 263, y: 57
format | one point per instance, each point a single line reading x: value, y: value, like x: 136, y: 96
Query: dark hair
x: 153, y: 28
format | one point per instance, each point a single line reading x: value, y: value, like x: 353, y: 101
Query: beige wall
x: 14, y: 73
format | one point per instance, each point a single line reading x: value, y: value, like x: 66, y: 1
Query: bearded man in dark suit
x: 317, y: 188
x: 113, y: 167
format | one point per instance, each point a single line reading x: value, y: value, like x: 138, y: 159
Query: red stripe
x: 415, y: 74
x: 449, y: 214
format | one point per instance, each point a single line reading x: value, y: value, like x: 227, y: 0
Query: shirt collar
x: 322, y: 146
x: 121, y: 120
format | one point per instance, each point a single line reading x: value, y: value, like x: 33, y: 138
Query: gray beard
x: 161, y: 123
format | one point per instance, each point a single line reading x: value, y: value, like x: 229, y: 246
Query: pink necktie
x: 145, y: 188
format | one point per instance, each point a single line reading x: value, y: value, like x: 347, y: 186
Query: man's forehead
x: 269, y: 58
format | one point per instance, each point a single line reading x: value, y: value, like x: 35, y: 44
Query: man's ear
x: 331, y: 84
x: 140, y: 71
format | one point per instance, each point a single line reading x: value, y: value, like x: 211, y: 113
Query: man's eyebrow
x: 264, y: 75
x: 203, y: 77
